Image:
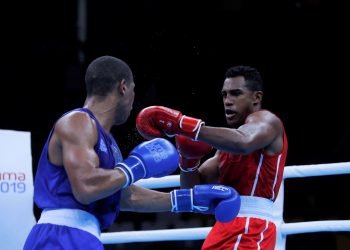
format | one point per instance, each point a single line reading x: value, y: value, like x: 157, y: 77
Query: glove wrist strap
x: 127, y: 175
x: 189, y: 165
x: 191, y: 126
x: 187, y: 170
x: 182, y: 200
x: 133, y: 169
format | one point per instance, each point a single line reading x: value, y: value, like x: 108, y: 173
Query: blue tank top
x: 52, y: 189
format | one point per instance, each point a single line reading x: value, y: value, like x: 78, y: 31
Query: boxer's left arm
x: 207, y: 173
x: 139, y: 199
x: 222, y: 201
x: 191, y: 152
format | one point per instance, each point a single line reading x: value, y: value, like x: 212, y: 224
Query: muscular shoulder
x: 76, y: 126
x: 266, y: 116
x: 272, y: 127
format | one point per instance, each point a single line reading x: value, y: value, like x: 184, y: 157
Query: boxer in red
x: 250, y: 157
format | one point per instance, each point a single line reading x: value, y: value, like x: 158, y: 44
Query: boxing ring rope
x: 283, y: 229
x: 197, y: 233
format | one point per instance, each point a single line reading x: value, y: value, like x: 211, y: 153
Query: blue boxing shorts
x: 65, y: 229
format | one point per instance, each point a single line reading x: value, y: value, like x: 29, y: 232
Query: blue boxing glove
x: 222, y: 201
x: 154, y: 158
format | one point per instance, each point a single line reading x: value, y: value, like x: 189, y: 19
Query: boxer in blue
x: 82, y: 180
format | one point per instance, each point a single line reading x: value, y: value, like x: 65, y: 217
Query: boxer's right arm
x: 154, y: 158
x: 72, y: 146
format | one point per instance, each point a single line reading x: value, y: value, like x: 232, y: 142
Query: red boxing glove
x: 191, y: 152
x: 158, y: 121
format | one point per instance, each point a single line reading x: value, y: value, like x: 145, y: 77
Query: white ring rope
x: 315, y: 226
x: 316, y: 170
x: 155, y: 235
x: 289, y: 172
x: 201, y: 232
x: 163, y: 182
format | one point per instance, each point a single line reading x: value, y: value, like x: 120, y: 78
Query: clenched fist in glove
x: 191, y: 152
x: 158, y: 121
x: 154, y: 158
x: 222, y: 201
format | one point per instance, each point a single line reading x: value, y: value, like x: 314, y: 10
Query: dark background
x: 179, y: 52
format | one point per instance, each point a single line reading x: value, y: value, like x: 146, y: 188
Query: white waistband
x: 257, y: 207
x: 75, y: 218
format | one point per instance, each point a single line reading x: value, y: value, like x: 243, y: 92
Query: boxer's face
x: 238, y: 100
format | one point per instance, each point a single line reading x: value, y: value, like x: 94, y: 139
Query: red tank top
x: 255, y: 174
